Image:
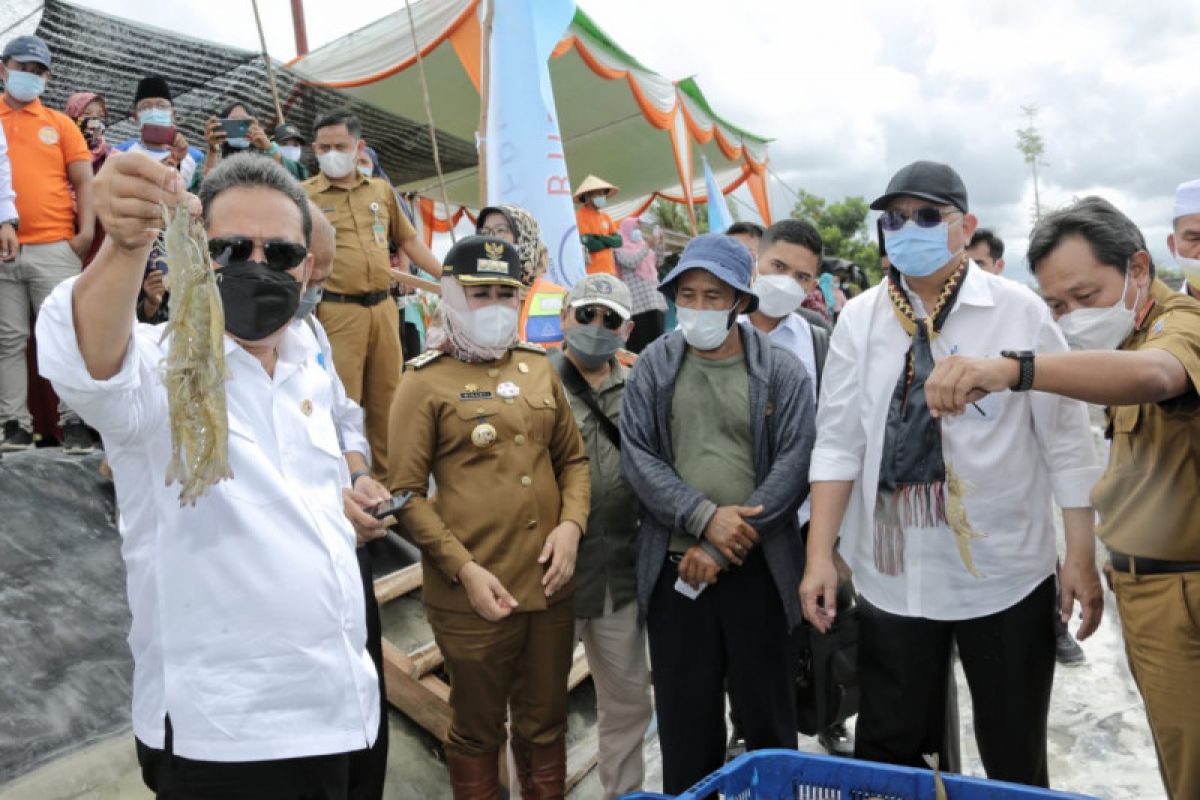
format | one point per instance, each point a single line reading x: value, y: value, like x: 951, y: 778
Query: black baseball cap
x: 479, y: 260
x: 28, y: 48
x: 928, y: 180
x: 286, y: 132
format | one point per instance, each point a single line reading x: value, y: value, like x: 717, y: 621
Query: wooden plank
x: 419, y: 700
x: 579, y: 669
x: 398, y: 583
x: 426, y: 659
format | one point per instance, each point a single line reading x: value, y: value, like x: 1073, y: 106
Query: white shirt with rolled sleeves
x: 248, y: 611
x: 1017, y: 452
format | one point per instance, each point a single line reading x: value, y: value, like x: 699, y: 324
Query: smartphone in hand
x: 389, y: 507
x: 236, y: 128
x: 159, y: 135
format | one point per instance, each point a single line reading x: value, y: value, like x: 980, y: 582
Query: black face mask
x: 258, y: 300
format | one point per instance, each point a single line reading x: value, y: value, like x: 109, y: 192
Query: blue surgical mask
x: 238, y: 142
x: 309, y: 300
x: 918, y: 251
x: 600, y: 201
x: 154, y: 116
x: 366, y: 172
x: 25, y: 87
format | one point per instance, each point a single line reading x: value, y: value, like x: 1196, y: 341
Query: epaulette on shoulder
x: 530, y: 347
x: 425, y: 359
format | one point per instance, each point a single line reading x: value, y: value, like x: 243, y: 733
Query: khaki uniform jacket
x: 495, y: 502
x: 1149, y: 496
x: 365, y: 218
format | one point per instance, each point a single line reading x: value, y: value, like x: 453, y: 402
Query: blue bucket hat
x: 723, y: 256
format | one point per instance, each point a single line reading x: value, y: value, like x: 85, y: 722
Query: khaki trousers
x: 616, y: 652
x: 367, y: 356
x: 521, y: 661
x: 24, y: 285
x: 1160, y: 618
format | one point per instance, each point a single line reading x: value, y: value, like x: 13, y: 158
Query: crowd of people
x: 697, y: 503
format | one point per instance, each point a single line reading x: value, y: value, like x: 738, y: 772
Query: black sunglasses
x: 585, y: 314
x: 925, y: 217
x: 281, y: 254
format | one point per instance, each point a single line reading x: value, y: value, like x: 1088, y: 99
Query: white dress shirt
x: 8, y: 197
x: 248, y: 611
x: 794, y: 333
x: 1016, y: 451
x: 348, y: 415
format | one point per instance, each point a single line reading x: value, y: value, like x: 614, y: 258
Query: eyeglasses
x: 498, y: 231
x: 585, y: 315
x: 281, y: 254
x: 925, y: 217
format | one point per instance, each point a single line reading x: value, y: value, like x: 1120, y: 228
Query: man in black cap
x: 291, y: 146
x: 948, y: 524
x: 154, y: 112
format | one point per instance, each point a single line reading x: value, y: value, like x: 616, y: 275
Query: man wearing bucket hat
x: 597, y: 230
x: 948, y: 524
x: 716, y: 432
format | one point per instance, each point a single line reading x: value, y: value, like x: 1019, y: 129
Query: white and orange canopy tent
x: 618, y: 119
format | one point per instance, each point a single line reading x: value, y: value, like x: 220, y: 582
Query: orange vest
x: 541, y: 322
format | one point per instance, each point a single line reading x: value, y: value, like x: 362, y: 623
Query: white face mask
x: 778, y: 295
x: 1101, y: 328
x: 1190, y: 267
x: 290, y: 151
x: 600, y: 201
x: 337, y: 164
x: 704, y: 330
x: 493, y: 325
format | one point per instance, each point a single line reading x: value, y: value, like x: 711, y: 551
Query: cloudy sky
x: 853, y: 91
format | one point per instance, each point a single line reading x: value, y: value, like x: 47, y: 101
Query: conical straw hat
x: 593, y: 184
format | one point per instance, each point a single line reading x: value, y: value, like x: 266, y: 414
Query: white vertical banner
x: 525, y: 161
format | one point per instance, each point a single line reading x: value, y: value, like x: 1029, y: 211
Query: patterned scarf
x: 912, y: 474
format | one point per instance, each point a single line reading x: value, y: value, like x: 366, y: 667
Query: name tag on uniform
x: 474, y: 395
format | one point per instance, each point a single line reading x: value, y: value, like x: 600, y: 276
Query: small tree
x: 1032, y: 146
x: 843, y: 228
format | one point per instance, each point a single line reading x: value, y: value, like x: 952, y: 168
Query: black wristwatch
x: 1025, y: 359
x: 16, y: 223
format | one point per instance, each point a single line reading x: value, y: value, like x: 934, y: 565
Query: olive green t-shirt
x: 711, y: 433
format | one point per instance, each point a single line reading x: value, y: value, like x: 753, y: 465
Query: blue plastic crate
x: 788, y: 775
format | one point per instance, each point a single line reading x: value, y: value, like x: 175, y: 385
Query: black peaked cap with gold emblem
x: 479, y: 260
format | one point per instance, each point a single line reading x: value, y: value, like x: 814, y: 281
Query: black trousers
x: 172, y: 777
x: 1008, y: 658
x: 368, y: 768
x: 647, y: 327
x: 735, y: 636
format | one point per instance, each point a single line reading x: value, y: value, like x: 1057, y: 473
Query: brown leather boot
x: 474, y: 777
x: 548, y: 780
x: 523, y: 764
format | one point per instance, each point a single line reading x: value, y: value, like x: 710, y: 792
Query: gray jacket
x: 781, y: 408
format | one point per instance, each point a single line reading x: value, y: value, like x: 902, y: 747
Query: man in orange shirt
x: 596, y: 229
x: 52, y: 177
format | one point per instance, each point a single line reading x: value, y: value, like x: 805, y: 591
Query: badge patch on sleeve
x: 1157, y: 328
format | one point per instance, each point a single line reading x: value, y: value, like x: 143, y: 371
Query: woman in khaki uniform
x: 487, y: 418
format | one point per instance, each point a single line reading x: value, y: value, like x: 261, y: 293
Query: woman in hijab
x: 638, y: 265
x: 516, y: 225
x: 90, y: 112
x: 487, y: 417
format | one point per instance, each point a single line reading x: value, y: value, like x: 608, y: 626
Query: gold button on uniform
x: 546, y: 401
x: 522, y: 367
x: 509, y: 400
x: 519, y: 438
x: 493, y: 372
x: 531, y: 524
x: 526, y: 480
x: 306, y: 407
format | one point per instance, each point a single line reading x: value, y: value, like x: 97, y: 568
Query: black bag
x: 827, y: 689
